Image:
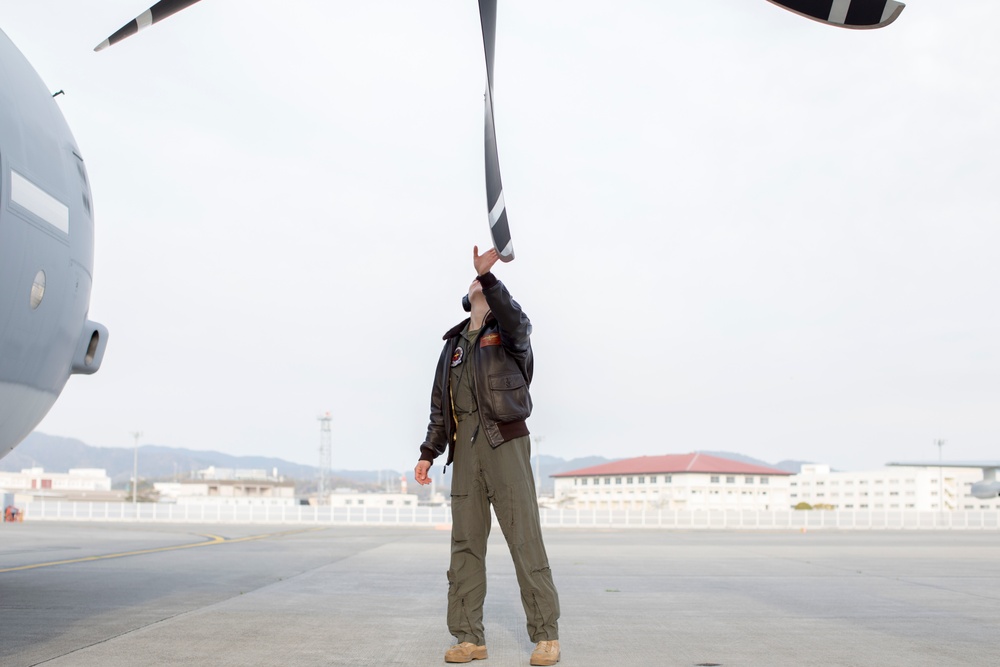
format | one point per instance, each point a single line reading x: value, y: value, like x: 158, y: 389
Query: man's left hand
x: 484, y: 262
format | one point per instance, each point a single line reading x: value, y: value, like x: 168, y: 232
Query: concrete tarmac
x: 109, y: 594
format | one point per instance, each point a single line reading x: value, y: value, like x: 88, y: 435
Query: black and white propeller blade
x: 154, y: 14
x: 857, y: 14
x: 845, y: 13
x: 499, y: 228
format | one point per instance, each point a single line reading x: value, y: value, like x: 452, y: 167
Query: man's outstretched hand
x: 420, y: 472
x: 484, y: 262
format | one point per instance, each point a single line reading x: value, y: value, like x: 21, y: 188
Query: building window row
x: 731, y: 479
x: 642, y: 479
x: 656, y: 479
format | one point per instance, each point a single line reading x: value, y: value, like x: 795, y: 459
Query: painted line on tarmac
x: 211, y: 541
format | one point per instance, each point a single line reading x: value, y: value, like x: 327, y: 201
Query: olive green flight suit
x: 500, y: 477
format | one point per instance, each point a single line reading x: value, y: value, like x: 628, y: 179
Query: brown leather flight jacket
x: 503, y: 365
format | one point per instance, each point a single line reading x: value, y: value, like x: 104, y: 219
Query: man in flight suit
x: 479, y: 405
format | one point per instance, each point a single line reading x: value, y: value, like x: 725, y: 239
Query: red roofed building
x: 674, y: 481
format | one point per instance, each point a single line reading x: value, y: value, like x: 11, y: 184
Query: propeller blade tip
x: 103, y: 45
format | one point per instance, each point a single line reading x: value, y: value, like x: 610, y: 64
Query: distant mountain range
x: 58, y: 454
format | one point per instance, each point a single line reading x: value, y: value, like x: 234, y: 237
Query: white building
x: 211, y: 472
x: 227, y: 492
x: 229, y: 486
x: 673, y: 482
x: 891, y: 488
x: 350, y: 498
x: 77, y: 484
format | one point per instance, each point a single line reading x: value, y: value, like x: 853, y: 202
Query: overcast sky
x: 735, y: 228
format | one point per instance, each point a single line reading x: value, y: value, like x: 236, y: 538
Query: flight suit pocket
x: 461, y: 523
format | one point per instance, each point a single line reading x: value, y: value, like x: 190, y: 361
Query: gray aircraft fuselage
x: 46, y: 252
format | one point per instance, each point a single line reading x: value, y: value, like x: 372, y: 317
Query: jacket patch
x: 456, y: 357
x: 489, y: 339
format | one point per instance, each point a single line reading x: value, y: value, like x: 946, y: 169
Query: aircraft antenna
x: 325, y: 454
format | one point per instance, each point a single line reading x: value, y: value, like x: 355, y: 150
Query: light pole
x: 325, y: 455
x: 135, y: 468
x: 940, y: 444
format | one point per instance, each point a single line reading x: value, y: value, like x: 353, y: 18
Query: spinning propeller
x: 858, y: 14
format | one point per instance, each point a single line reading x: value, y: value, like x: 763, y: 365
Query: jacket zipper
x: 454, y: 417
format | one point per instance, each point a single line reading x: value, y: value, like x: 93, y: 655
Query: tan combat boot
x: 466, y: 652
x: 546, y: 653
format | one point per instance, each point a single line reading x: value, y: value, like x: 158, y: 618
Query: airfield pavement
x: 108, y: 594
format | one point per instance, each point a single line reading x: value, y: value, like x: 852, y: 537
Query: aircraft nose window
x: 37, y: 289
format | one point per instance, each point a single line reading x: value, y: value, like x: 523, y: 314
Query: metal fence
x: 441, y: 516
x: 219, y: 513
x: 775, y: 520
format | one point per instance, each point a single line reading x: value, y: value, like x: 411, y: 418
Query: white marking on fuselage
x: 38, y: 202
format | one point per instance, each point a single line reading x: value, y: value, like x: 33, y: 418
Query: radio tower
x: 325, y: 445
